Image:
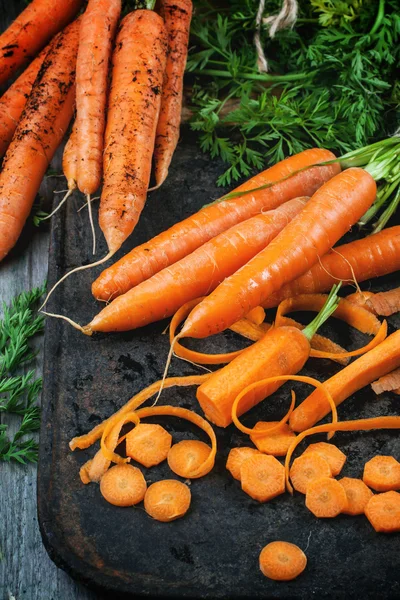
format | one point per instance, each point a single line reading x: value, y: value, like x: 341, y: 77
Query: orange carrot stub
x: 326, y: 498
x: 123, y: 485
x: 382, y: 474
x: 196, y: 274
x: 383, y: 512
x: 13, y: 101
x: 177, y: 15
x: 99, y: 22
x: 184, y: 237
x: 380, y: 360
x: 167, y: 500
x: 38, y: 134
x: 282, y: 561
x: 358, y: 495
x: 369, y: 257
x: 134, y: 103
x: 30, y: 31
x: 328, y: 215
x: 236, y: 458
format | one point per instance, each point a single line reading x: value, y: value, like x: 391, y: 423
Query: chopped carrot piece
x: 123, y: 485
x: 276, y: 443
x: 236, y: 458
x: 326, y: 498
x: 167, y: 500
x: 331, y: 453
x: 358, y: 495
x: 262, y: 477
x: 148, y: 444
x: 307, y: 468
x: 383, y: 512
x: 282, y: 561
x: 187, y: 456
x: 382, y: 473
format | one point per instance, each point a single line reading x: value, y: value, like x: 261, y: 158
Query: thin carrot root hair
x: 59, y: 205
x: 384, y: 422
x: 84, y: 206
x: 89, y: 205
x: 354, y: 278
x: 167, y: 364
x: 255, y: 432
x: 64, y: 277
x: 81, y: 328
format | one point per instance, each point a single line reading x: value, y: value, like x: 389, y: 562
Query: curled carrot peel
x: 384, y: 422
x: 256, y: 315
x: 86, y: 440
x: 303, y: 378
x: 353, y: 315
x: 113, y: 430
x: 251, y: 430
x: 188, y: 415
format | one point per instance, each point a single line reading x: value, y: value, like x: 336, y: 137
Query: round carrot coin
x: 276, y: 443
x: 358, y: 495
x: 382, y: 474
x: 331, y: 453
x: 326, y: 498
x: 236, y: 458
x: 123, y: 485
x: 167, y: 500
x: 282, y: 561
x: 262, y: 477
x: 383, y: 512
x: 148, y: 444
x: 307, y: 468
x: 187, y: 457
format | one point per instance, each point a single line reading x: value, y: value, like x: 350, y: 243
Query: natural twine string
x: 284, y: 19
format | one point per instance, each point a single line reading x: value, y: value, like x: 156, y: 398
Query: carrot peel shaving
x: 113, y: 430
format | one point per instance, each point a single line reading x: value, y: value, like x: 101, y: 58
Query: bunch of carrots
x: 119, y: 129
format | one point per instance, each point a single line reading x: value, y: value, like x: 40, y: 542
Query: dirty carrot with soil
x: 31, y: 30
x: 177, y: 15
x: 373, y: 256
x: 39, y: 132
x: 328, y: 215
x: 380, y: 360
x: 184, y: 237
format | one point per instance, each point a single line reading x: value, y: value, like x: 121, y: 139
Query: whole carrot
x: 177, y: 15
x: 13, y: 101
x: 99, y: 23
x: 373, y: 256
x: 377, y: 362
x: 39, y: 132
x: 330, y: 213
x: 195, y: 275
x: 138, y: 67
x: 184, y: 237
x: 30, y: 31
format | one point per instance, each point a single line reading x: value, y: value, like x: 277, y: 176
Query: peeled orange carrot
x: 383, y: 512
x: 236, y: 458
x: 262, y: 477
x: 331, y: 453
x: 187, y: 456
x: 123, y: 485
x: 382, y: 473
x: 326, y: 498
x: 307, y: 468
x: 167, y: 500
x: 275, y: 443
x: 282, y: 561
x: 358, y: 495
x: 148, y: 444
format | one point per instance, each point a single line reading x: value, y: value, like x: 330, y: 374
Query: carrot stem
x: 326, y: 311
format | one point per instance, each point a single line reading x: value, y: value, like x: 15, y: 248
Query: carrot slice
x: 308, y: 468
x: 86, y: 440
x: 384, y: 422
x: 167, y: 500
x: 282, y: 561
x: 358, y: 495
x: 236, y: 458
x: 382, y: 474
x: 123, y: 485
x: 276, y: 443
x: 326, y: 498
x: 148, y: 444
x: 331, y: 453
x: 262, y: 477
x: 383, y: 512
x: 187, y: 456
x: 355, y: 316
